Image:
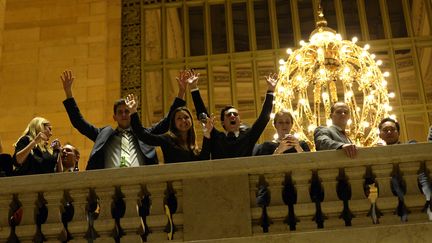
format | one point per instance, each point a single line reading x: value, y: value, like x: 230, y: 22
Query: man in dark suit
x: 117, y: 147
x: 334, y: 137
x: 235, y: 141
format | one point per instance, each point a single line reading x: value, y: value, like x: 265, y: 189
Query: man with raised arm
x: 234, y: 141
x: 115, y: 147
x: 334, y: 137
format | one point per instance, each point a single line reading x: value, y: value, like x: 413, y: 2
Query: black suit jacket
x: 328, y: 138
x: 222, y: 146
x: 101, y: 135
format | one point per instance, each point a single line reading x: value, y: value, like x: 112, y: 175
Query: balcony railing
x: 251, y: 197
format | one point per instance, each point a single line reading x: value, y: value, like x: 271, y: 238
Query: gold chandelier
x: 327, y: 70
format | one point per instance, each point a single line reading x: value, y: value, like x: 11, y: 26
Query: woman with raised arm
x: 33, y: 154
x: 179, y: 143
x: 285, y: 142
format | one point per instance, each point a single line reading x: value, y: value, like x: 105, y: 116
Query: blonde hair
x: 35, y: 126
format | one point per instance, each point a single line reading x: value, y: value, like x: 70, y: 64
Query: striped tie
x: 126, y: 143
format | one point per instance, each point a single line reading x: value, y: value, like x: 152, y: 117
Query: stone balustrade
x: 243, y: 198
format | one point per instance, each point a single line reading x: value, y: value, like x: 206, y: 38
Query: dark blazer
x: 101, y: 135
x: 172, y: 152
x: 37, y: 162
x: 222, y: 146
x: 327, y: 138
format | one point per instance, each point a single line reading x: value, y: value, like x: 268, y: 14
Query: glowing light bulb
x: 302, y: 101
x: 302, y: 43
x: 325, y: 95
x: 366, y: 47
x: 354, y: 39
x: 275, y: 136
x: 386, y: 74
x: 373, y: 56
x: 296, y: 135
x: 346, y: 70
x: 379, y: 62
x: 272, y: 115
x: 282, y: 68
x: 298, y: 57
x: 311, y: 128
x: 384, y: 82
x: 393, y: 116
x: 349, y: 94
x: 322, y: 71
x: 281, y: 61
x: 289, y: 51
x: 391, y: 95
x: 349, y: 122
x: 365, y: 124
x: 338, y: 37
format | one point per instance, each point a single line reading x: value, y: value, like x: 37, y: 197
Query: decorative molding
x: 131, y: 73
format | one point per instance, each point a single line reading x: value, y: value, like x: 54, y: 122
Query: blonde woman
x: 33, y: 154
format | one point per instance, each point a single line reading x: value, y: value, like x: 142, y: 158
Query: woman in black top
x: 285, y: 142
x: 33, y: 154
x: 179, y: 143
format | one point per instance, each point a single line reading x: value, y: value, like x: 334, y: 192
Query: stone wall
x: 40, y: 39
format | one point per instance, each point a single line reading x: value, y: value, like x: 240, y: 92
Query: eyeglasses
x: 232, y: 113
x: 386, y: 130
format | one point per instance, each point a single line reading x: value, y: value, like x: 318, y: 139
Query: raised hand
x: 41, y: 137
x: 67, y: 79
x: 131, y: 103
x: 193, y: 78
x: 208, y: 126
x: 55, y: 144
x: 182, y: 82
x: 272, y: 81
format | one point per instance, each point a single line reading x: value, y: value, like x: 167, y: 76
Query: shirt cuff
x: 270, y: 92
x: 194, y: 89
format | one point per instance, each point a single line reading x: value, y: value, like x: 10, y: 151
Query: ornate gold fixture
x: 326, y: 70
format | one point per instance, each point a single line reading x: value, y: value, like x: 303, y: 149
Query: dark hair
x: 77, y: 153
x: 175, y: 135
x: 222, y: 115
x: 388, y: 119
x: 281, y: 113
x: 332, y: 108
x: 117, y: 103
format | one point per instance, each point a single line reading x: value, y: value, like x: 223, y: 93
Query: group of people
x: 130, y: 144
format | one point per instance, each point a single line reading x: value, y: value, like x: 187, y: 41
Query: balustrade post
x: 79, y: 225
x: 157, y: 219
x: 131, y: 221
x: 26, y: 229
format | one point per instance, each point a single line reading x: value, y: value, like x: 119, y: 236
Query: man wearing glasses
x: 389, y: 131
x: 235, y: 141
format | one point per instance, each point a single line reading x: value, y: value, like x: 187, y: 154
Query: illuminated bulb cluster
x: 328, y: 69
